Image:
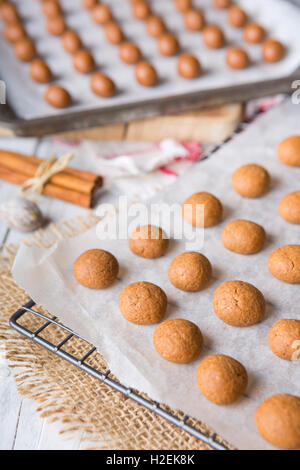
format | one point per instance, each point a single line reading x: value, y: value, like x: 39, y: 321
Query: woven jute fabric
x: 65, y: 393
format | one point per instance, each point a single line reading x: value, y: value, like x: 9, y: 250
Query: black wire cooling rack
x: 104, y: 377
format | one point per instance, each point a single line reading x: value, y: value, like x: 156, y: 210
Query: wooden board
x: 208, y: 126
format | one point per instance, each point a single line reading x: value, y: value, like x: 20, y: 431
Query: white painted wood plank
x: 51, y: 439
x: 29, y: 428
x: 10, y: 405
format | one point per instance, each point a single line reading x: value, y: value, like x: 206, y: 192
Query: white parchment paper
x: 280, y: 18
x: 47, y: 276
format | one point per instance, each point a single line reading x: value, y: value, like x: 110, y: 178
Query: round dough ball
x: 194, y: 20
x: 183, y: 5
x: 237, y: 58
x: 194, y: 206
x: 284, y: 264
x: 83, y: 61
x: 113, y: 33
x: 238, y: 303
x: 277, y: 420
x: 25, y: 49
x: 289, y: 208
x: 96, y: 269
x: 251, y: 181
x: 141, y: 9
x: 190, y: 272
x: 13, y: 32
x: 40, y: 72
x: 129, y: 53
x: 188, y: 66
x: 57, y: 96
x: 71, y: 42
x: 178, y: 340
x: 213, y: 36
x: 56, y: 25
x: 272, y: 51
x: 237, y: 17
x: 155, y: 26
x: 284, y: 338
x: 89, y: 4
x: 222, y: 3
x: 51, y: 8
x: 146, y: 74
x: 102, y: 14
x: 143, y: 303
x: 243, y: 237
x: 289, y: 151
x: 9, y: 12
x: 148, y: 241
x: 254, y: 33
x: 102, y: 85
x: 222, y: 379
x: 168, y: 44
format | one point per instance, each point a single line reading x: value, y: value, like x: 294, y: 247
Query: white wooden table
x: 20, y: 425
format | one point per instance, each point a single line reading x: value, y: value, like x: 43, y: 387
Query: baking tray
x: 102, y: 375
x: 114, y: 112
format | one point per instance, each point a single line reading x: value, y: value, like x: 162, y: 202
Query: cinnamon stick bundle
x: 70, y: 185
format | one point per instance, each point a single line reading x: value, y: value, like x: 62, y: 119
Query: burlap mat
x: 63, y: 392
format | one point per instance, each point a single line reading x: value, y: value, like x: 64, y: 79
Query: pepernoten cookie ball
x: 168, y: 44
x: 146, y: 74
x: 183, y: 5
x: 143, y: 303
x: 222, y: 379
x: 57, y: 96
x: 130, y: 53
x: 149, y: 241
x: 202, y: 210
x: 289, y: 208
x: 178, y: 340
x: 243, y: 237
x: 56, y: 25
x: 237, y: 17
x: 102, y: 14
x: 277, y: 420
x: 155, y: 26
x: 213, y: 36
x: 194, y: 20
x: 284, y: 339
x: 15, y: 31
x: 102, y: 85
x: 40, y: 72
x: 238, y: 303
x: 222, y: 3
x: 272, y: 50
x: 113, y: 33
x: 83, y: 61
x: 254, y: 33
x: 71, y: 42
x: 141, y: 9
x: 190, y: 271
x: 25, y: 49
x: 188, y: 66
x: 284, y: 264
x: 96, y: 269
x: 251, y: 181
x: 237, y: 58
x: 289, y: 151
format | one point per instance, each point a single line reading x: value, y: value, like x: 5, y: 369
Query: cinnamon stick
x: 69, y: 178
x: 50, y: 189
